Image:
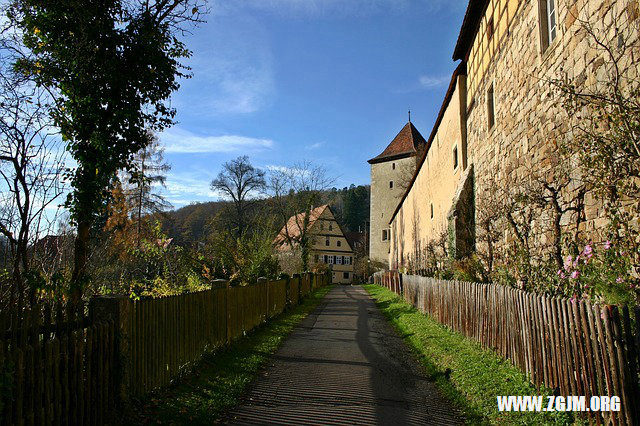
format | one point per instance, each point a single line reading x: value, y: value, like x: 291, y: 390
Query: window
x: 390, y: 184
x: 326, y: 259
x: 455, y: 157
x: 551, y: 20
x: 393, y: 166
x: 326, y: 242
x: 339, y: 243
x: 338, y: 260
x: 490, y: 108
x: 346, y: 275
x: 548, y: 24
x: 385, y: 235
x: 331, y: 227
x: 331, y: 260
x: 431, y: 210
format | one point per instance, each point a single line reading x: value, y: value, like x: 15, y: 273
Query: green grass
x: 470, y: 376
x: 220, y: 380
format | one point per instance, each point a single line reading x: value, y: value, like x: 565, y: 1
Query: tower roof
x: 405, y: 144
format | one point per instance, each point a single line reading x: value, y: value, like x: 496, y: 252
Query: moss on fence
x: 468, y: 375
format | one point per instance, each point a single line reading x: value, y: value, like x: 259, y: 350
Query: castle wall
x: 435, y: 186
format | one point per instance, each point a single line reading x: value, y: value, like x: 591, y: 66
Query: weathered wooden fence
x: 59, y: 366
x: 56, y: 367
x: 573, y: 346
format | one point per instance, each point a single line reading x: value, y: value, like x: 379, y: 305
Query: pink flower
x: 619, y: 280
x: 588, y: 251
x: 575, y: 274
x: 567, y: 263
x: 607, y: 245
x: 575, y: 262
x: 573, y: 299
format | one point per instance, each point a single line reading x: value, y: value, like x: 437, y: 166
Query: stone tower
x: 390, y: 172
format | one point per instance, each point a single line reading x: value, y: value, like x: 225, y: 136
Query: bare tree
x: 295, y: 191
x: 240, y: 182
x: 31, y: 168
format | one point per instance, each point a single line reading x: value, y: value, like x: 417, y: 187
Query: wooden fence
x: 59, y: 366
x: 55, y: 366
x: 573, y: 346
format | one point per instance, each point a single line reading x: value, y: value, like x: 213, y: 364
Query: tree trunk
x: 81, y: 255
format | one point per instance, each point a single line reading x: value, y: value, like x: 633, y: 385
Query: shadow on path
x: 344, y: 365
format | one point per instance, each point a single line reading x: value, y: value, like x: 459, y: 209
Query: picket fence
x: 574, y: 347
x: 63, y: 364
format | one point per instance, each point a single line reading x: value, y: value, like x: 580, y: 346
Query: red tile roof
x: 405, y: 144
x: 294, y: 225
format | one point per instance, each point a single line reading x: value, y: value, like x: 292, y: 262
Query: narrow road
x: 344, y: 365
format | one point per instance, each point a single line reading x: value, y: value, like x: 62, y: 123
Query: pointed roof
x: 405, y: 144
x: 294, y: 224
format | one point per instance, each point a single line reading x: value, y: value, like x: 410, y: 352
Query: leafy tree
x: 355, y: 210
x: 240, y: 182
x: 110, y: 65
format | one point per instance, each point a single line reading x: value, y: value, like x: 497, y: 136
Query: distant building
x: 390, y: 172
x: 329, y: 245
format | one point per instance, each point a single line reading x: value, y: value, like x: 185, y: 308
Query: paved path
x: 344, y: 365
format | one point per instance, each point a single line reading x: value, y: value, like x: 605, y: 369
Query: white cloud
x: 432, y: 82
x: 316, y: 145
x: 179, y: 141
x: 232, y: 68
x: 184, y: 188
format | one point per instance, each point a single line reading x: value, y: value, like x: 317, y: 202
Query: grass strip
x: 220, y: 380
x: 470, y: 376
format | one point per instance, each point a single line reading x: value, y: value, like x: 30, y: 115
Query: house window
x: 490, y: 108
x: 339, y: 243
x: 331, y: 260
x: 385, y: 235
x: 346, y: 275
x: 326, y: 259
x: 548, y: 22
x: 338, y: 260
x: 331, y: 227
x: 455, y: 157
x: 390, y: 184
x: 326, y: 242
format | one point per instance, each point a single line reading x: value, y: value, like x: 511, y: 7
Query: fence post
x: 119, y: 310
x: 264, y: 282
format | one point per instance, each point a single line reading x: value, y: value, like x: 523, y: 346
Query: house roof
x: 460, y: 70
x: 470, y: 25
x: 405, y: 144
x: 294, y: 223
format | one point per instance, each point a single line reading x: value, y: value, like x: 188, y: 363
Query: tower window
x: 393, y: 166
x: 385, y: 235
x: 431, y: 210
x: 455, y: 157
x: 326, y: 242
x: 390, y: 184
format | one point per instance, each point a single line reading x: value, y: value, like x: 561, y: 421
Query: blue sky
x: 323, y: 80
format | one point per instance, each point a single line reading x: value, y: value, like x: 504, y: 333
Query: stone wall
x: 529, y: 122
x: 384, y: 201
